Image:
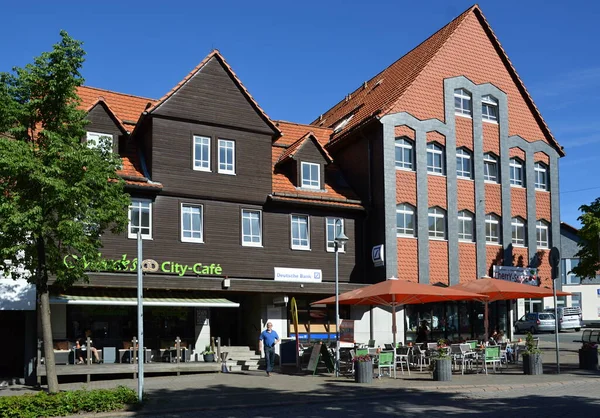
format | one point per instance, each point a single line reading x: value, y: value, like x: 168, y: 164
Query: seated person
x: 81, y: 348
x: 423, y: 332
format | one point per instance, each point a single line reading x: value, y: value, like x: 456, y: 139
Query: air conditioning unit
x: 281, y: 300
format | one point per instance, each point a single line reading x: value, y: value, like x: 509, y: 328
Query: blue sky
x: 299, y: 58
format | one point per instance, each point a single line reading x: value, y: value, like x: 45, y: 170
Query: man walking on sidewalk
x: 268, y: 339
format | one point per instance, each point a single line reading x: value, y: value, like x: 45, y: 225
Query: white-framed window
x: 489, y: 109
x: 492, y: 229
x: 435, y: 158
x: 333, y: 228
x: 517, y: 226
x: 405, y: 220
x: 463, y: 164
x: 490, y: 167
x: 404, y: 153
x: 140, y: 218
x: 462, y: 102
x: 542, y: 234
x: 251, y: 228
x: 201, y: 153
x: 465, y: 226
x: 300, y: 232
x: 311, y: 175
x: 437, y: 223
x: 192, y: 223
x: 226, y: 156
x: 541, y: 176
x: 95, y: 139
x: 568, y: 277
x: 516, y: 172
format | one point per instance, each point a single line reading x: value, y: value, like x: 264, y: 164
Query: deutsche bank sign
x: 377, y: 255
x: 284, y: 274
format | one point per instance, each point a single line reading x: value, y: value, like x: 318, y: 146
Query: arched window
x: 465, y: 226
x: 542, y: 234
x: 437, y: 223
x: 405, y: 220
x: 541, y: 176
x: 493, y: 229
x: 517, y: 177
x: 490, y: 167
x: 464, y: 165
x: 462, y: 102
x: 518, y: 228
x: 404, y: 153
x: 489, y: 108
x: 435, y: 158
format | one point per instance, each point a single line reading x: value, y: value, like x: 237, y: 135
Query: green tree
x: 57, y: 195
x: 589, y: 262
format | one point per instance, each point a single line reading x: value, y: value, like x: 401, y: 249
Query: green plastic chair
x: 492, y: 355
x: 362, y: 352
x: 473, y: 344
x: 386, y: 361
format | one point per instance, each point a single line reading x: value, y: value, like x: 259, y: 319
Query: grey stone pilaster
x: 389, y: 192
x: 422, y: 205
x: 451, y: 186
x: 531, y: 206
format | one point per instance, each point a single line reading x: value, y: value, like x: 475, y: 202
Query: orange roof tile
x: 126, y: 107
x: 377, y: 97
x: 216, y: 54
x: 296, y: 146
x: 284, y: 190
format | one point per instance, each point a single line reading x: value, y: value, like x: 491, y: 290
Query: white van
x: 569, y: 318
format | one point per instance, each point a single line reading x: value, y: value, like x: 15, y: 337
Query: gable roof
x: 336, y: 193
x: 293, y: 149
x: 376, y: 97
x: 126, y: 108
x: 217, y: 55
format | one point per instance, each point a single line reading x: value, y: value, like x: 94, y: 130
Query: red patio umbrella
x: 497, y: 289
x: 394, y: 292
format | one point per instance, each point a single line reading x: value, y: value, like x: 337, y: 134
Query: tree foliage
x: 589, y: 262
x: 57, y: 195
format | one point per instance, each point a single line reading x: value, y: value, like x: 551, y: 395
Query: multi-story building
x: 456, y: 166
x: 585, y: 293
x: 238, y: 214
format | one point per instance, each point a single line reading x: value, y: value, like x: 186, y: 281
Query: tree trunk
x: 42, y: 290
x: 48, y: 343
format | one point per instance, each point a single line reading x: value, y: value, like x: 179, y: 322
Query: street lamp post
x: 339, y: 241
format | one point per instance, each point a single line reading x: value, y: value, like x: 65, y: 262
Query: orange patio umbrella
x: 497, y: 289
x: 394, y: 292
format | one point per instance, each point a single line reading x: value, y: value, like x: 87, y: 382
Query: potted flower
x: 363, y: 369
x: 588, y: 356
x: 532, y: 357
x: 208, y: 354
x: 442, y: 363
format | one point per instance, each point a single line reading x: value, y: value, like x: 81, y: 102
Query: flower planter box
x: 442, y: 369
x: 209, y: 358
x: 363, y: 371
x: 532, y: 364
x: 588, y: 359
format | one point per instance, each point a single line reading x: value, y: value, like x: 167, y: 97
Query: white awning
x: 156, y: 300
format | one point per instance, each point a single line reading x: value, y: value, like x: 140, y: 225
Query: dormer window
x: 311, y: 176
x: 97, y: 140
x: 489, y: 109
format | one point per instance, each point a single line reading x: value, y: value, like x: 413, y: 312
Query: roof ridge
x: 460, y: 20
x: 460, y: 16
x: 308, y: 125
x: 117, y: 92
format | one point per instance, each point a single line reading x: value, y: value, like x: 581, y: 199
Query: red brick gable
x: 467, y: 47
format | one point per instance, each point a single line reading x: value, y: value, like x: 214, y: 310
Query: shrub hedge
x: 43, y: 404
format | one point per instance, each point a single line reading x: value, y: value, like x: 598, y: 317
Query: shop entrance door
x: 12, y: 328
x: 225, y: 323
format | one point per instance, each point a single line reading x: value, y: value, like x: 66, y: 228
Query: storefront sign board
x: 285, y: 274
x: 347, y: 331
x: 524, y: 275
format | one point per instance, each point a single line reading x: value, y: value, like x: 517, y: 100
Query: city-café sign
x: 148, y: 265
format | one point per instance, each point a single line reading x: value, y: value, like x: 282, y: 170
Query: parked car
x: 568, y: 317
x: 536, y: 322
